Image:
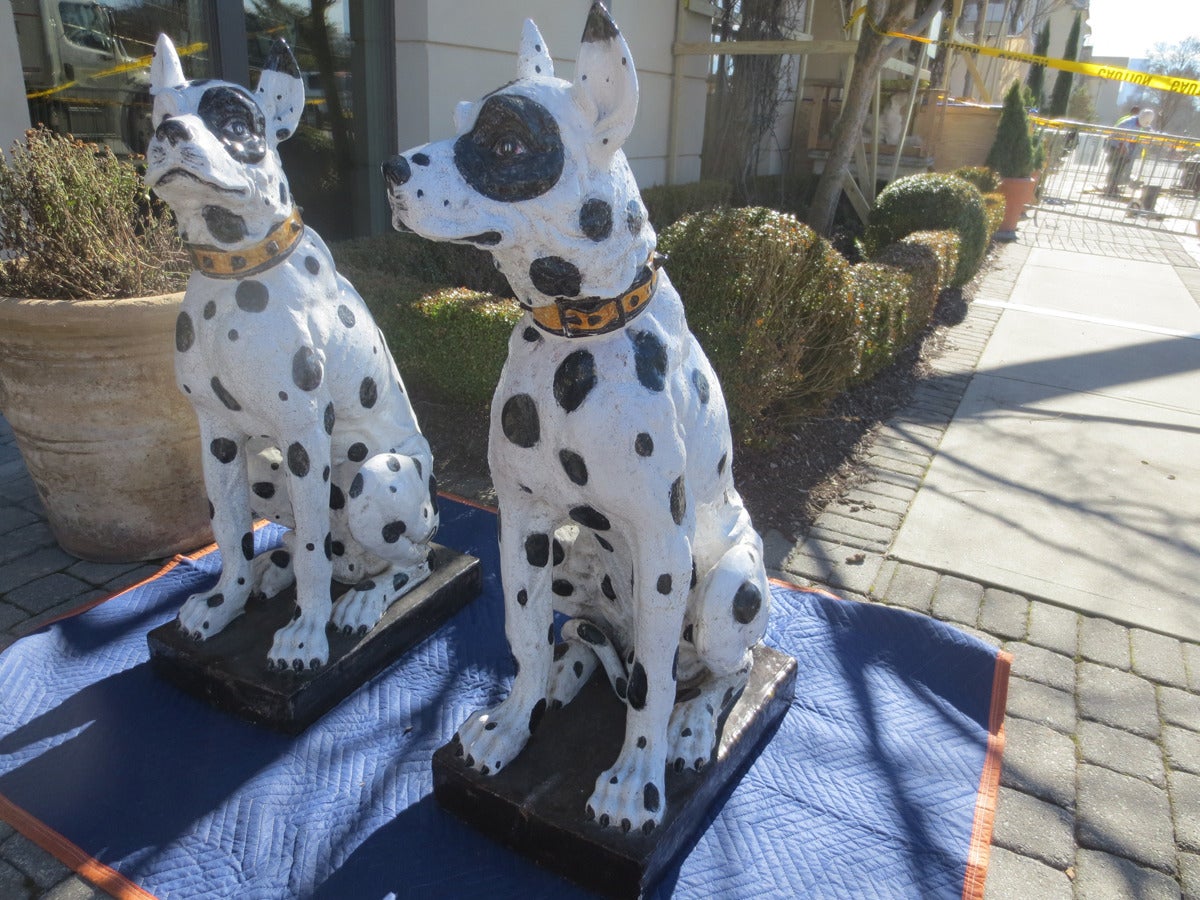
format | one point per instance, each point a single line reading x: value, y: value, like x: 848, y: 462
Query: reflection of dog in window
x: 610, y: 445
x: 303, y: 416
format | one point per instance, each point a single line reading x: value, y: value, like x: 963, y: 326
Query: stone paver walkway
x: 1100, y: 793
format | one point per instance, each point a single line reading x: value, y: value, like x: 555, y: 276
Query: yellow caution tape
x: 142, y: 62
x: 1157, y: 82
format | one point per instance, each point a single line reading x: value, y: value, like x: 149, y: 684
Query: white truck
x: 79, y: 79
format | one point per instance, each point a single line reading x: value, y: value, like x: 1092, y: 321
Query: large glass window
x: 86, y: 64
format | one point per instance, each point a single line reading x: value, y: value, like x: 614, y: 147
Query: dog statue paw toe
x: 299, y: 645
x: 205, y: 614
x: 629, y: 795
x: 490, y: 739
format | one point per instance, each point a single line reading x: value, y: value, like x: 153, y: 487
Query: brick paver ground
x: 1100, y: 791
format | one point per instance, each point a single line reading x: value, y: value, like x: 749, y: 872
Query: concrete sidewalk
x: 1040, y: 490
x: 1029, y: 439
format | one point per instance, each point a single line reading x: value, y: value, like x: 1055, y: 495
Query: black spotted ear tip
x: 281, y: 59
x: 599, y: 26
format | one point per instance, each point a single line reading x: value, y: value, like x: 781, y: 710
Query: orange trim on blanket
x: 88, y: 867
x: 989, y: 784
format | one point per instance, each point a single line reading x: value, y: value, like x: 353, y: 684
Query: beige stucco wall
x: 14, y: 111
x: 452, y: 50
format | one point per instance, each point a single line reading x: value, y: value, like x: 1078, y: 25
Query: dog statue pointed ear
x: 606, y: 85
x: 280, y: 93
x: 166, y: 72
x: 533, y: 59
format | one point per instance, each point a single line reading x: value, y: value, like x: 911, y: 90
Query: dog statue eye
x: 508, y: 147
x: 237, y: 128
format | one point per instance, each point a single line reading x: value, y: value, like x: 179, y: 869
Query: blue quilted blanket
x: 880, y: 782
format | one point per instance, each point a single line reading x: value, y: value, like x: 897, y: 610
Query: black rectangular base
x: 229, y: 670
x: 536, y: 804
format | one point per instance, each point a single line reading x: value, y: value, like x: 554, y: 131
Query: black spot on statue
x: 297, y: 460
x: 357, y: 452
x: 562, y: 587
x: 537, y: 550
x: 664, y: 584
x: 574, y: 379
x: 650, y: 359
x: 264, y: 489
x: 210, y: 309
x: 212, y: 510
x: 310, y: 263
x: 223, y: 449
x: 637, y: 686
x: 558, y: 554
x: 399, y: 580
x: 577, y: 669
x: 555, y: 276
x: 328, y: 545
x: 330, y: 418
x: 721, y: 463
x: 215, y: 600
x: 574, y: 466
x: 522, y: 597
x: 641, y: 742
x: 346, y: 315
x: 591, y: 634
x: 281, y: 558
x: 599, y: 25
x: 535, y: 715
x: 650, y: 798
x: 596, y: 220
x: 746, y: 603
x: 356, y: 486
x: 692, y: 583
x: 643, y: 444
x: 550, y: 634
x: 251, y: 295
x: 393, y: 464
x: 393, y: 530
x: 678, y: 500
x: 433, y: 494
x: 700, y: 380
x: 519, y: 420
x: 368, y: 393
x: 513, y: 152
x: 606, y: 588
x: 225, y: 226
x: 531, y: 334
x: 307, y: 370
x: 248, y: 545
x: 484, y: 239
x: 420, y: 159
x: 224, y: 396
x: 185, y: 333
x: 590, y: 518
x: 337, y: 500
x: 603, y: 543
x: 635, y: 217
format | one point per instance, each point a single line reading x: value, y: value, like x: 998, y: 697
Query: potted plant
x: 1013, y: 157
x: 91, y: 280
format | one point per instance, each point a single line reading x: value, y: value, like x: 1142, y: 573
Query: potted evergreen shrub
x: 91, y: 280
x: 1013, y: 157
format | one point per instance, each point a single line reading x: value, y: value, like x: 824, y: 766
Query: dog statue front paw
x: 360, y: 609
x: 491, y: 738
x: 299, y: 645
x: 629, y: 795
x: 205, y: 614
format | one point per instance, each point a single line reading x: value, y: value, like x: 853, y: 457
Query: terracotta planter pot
x: 1018, y: 193
x: 113, y: 447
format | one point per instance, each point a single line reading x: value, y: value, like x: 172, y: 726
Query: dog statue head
x: 214, y: 155
x: 536, y: 173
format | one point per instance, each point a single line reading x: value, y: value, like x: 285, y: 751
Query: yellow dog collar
x: 588, y: 316
x: 274, y: 248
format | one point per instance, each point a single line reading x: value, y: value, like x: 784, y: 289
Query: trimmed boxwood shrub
x: 770, y: 302
x: 433, y: 262
x: 898, y: 292
x: 993, y: 205
x: 667, y: 203
x: 929, y: 201
x: 982, y: 177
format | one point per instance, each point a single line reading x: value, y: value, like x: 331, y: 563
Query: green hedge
x: 927, y: 202
x: 771, y: 304
x: 985, y: 179
x: 669, y: 203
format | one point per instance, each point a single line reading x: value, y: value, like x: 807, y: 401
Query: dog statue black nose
x: 172, y: 131
x: 396, y: 171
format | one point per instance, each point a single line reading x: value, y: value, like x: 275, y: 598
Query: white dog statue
x: 304, y: 419
x: 610, y: 446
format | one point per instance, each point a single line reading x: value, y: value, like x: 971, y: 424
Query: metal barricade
x: 1118, y: 175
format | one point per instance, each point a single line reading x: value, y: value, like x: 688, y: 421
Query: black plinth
x: 536, y: 804
x: 229, y: 670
